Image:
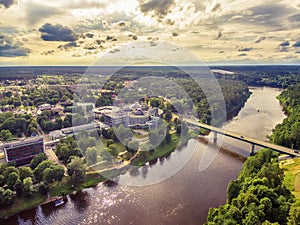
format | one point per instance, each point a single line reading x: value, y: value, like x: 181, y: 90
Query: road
x: 244, y: 138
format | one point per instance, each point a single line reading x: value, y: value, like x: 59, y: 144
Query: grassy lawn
x: 292, y: 175
x: 22, y: 204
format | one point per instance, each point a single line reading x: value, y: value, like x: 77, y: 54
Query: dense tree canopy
x: 257, y: 196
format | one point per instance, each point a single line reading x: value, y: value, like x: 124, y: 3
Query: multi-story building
x: 23, y: 151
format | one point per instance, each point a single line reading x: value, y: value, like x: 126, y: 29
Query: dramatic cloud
x: 49, y: 52
x: 68, y: 46
x: 296, y: 44
x: 9, y: 48
x: 215, y: 30
x: 284, y: 43
x: 7, y: 3
x: 57, y: 33
x: 219, y: 35
x: 36, y: 12
x: 159, y: 7
x: 245, y: 49
x: 259, y: 39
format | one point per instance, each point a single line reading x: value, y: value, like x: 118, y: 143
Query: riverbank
x: 65, y: 186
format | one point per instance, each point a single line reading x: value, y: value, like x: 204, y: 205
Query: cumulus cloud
x: 7, y: 3
x: 68, y: 46
x: 57, y: 33
x: 49, y: 52
x: 36, y: 12
x: 284, y: 43
x: 10, y: 48
x: 89, y: 35
x: 158, y: 7
x: 242, y: 55
x: 219, y: 35
x: 96, y: 44
x: 245, y: 49
x: 259, y: 39
x: 283, y: 49
x: 296, y: 44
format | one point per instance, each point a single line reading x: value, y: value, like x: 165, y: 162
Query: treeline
x: 273, y: 76
x: 13, y: 126
x: 25, y: 181
x: 257, y: 196
x: 288, y: 132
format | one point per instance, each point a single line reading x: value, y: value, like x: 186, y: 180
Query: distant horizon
x: 3, y: 66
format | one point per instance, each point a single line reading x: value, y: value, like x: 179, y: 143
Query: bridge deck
x: 241, y: 137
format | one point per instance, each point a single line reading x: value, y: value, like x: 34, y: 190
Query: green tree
x: 48, y: 175
x: 6, y: 197
x: 25, y: 171
x: 5, y: 135
x: 38, y: 171
x: 133, y: 145
x: 37, y: 160
x: 27, y: 187
x: 11, y: 180
x: 294, y: 215
x: 91, y: 155
x: 58, y: 172
x: 43, y: 188
x: 19, y: 187
x: 76, y: 169
x: 8, y: 170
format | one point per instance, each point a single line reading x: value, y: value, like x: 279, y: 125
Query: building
x: 76, y: 129
x: 23, y: 151
x: 135, y: 116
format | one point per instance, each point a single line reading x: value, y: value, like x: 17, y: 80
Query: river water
x: 183, y: 198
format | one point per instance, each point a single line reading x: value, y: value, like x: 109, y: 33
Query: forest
x: 288, y: 132
x: 259, y: 194
x: 280, y: 76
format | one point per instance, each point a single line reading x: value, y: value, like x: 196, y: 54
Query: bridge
x: 252, y: 141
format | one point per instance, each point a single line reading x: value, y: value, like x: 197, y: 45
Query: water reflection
x: 81, y: 200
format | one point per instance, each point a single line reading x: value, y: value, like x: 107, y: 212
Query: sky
x: 79, y: 32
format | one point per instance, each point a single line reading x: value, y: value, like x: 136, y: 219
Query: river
x: 185, y: 197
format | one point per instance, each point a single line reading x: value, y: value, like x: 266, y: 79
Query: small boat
x: 59, y: 202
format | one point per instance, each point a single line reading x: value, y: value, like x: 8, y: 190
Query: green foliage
x: 91, y: 155
x: 288, y: 132
x: 43, y: 188
x: 76, y: 169
x: 257, y: 196
x: 16, y: 124
x: 6, y: 197
x: 133, y: 145
x: 37, y: 160
x: 27, y: 187
x: 11, y: 180
x: 25, y: 172
x: 5, y: 135
x: 67, y: 148
x: 294, y: 218
x: 45, y: 119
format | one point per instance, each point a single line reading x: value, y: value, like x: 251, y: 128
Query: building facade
x: 22, y: 152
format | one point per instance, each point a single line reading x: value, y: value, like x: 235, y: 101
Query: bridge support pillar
x: 215, y: 137
x: 252, y: 149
